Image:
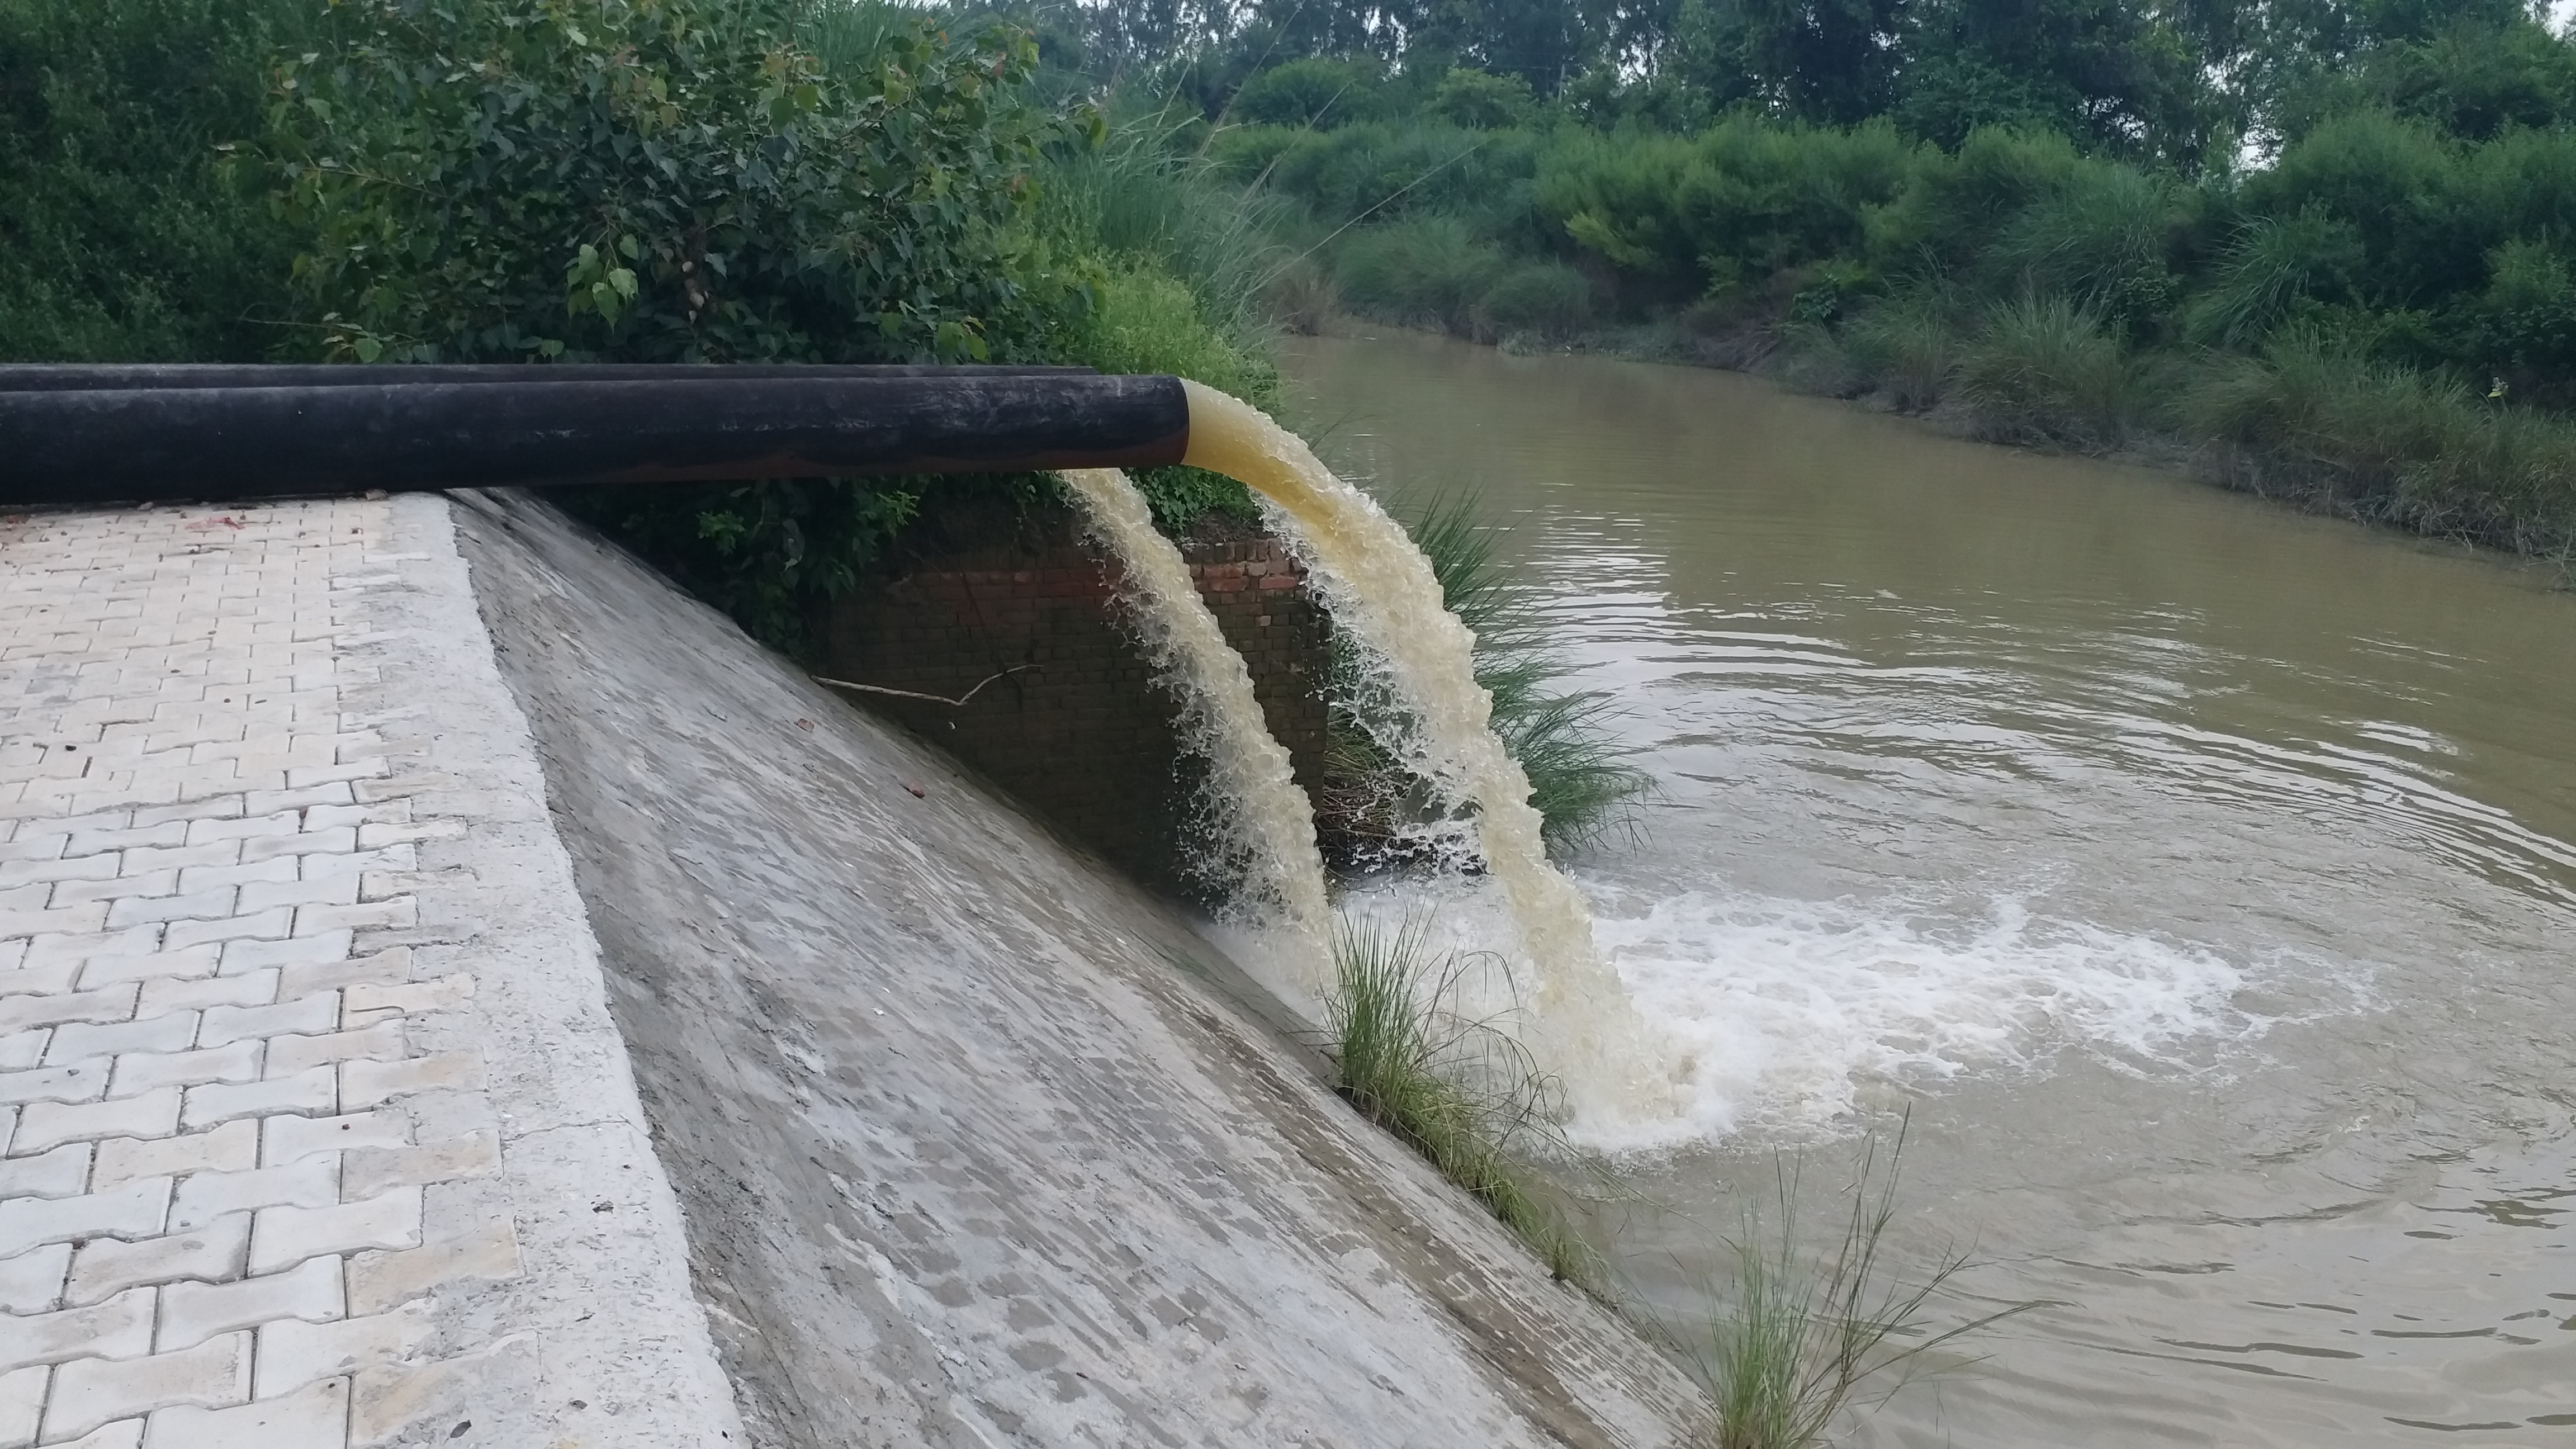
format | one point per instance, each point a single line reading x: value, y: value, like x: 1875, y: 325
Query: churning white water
x: 1259, y: 823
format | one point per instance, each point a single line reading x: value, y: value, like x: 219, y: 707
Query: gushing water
x: 1261, y: 822
x: 1381, y: 589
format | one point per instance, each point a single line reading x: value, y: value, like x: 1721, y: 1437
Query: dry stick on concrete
x: 916, y: 694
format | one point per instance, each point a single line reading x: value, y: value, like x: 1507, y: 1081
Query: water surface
x: 2199, y: 871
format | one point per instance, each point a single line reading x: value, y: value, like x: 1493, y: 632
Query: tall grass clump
x: 1908, y: 349
x: 2043, y: 370
x: 1800, y: 1334
x: 1409, y: 1052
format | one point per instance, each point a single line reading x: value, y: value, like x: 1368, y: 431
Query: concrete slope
x: 967, y: 1156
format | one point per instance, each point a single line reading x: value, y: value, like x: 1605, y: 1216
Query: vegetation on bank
x: 2328, y: 253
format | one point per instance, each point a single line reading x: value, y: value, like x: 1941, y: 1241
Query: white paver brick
x: 84, y: 1081
x: 233, y: 1147
x: 247, y: 873
x: 191, y: 1313
x: 121, y: 1327
x: 362, y: 1005
x: 23, y: 1049
x: 366, y: 1173
x: 141, y: 910
x: 17, y: 1013
x: 384, y: 1041
x: 216, y: 1252
x: 170, y: 1032
x: 76, y: 949
x: 266, y: 895
x: 378, y: 1281
x: 312, y: 1183
x: 181, y: 857
x: 281, y: 1237
x: 315, y: 1091
x: 39, y: 980
x: 88, y: 1393
x: 400, y: 913
x: 63, y: 1172
x: 368, y: 1084
x: 143, y: 1071
x: 124, y: 1434
x: 313, y: 1015
x: 335, y: 793
x: 44, y: 1125
x: 242, y: 827
x: 22, y: 1405
x: 256, y: 988
x: 259, y: 926
x: 294, y: 1353
x: 390, y: 967
x: 171, y: 962
x: 322, y: 950
x: 32, y: 1282
x: 338, y: 841
x: 135, y: 1210
x: 285, y: 1139
x: 314, y: 1417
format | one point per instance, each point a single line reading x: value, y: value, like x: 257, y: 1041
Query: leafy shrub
x: 1482, y: 101
x: 1146, y: 320
x: 1314, y: 91
x: 1430, y: 272
x: 1544, y: 299
x: 657, y: 180
x: 671, y: 180
x: 124, y: 235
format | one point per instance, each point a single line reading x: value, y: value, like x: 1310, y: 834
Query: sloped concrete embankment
x: 968, y: 1154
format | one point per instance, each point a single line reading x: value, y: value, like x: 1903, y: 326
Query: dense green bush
x: 1310, y: 92
x: 672, y: 180
x: 124, y: 235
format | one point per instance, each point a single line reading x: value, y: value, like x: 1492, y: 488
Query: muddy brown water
x: 2202, y: 874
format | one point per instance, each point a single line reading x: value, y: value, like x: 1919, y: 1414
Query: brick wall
x: 1077, y: 727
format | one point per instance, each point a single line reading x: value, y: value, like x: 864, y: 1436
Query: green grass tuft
x: 1457, y: 1089
x: 1799, y: 1336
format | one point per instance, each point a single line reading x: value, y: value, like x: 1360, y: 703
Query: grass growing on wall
x: 1582, y: 787
x: 1456, y: 1088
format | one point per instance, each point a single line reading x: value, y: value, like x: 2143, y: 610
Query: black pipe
x: 58, y: 377
x: 126, y: 445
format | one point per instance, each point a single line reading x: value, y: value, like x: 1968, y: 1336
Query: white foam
x: 1776, y: 1016
x: 1785, y: 1010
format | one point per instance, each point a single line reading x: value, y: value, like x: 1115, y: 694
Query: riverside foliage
x: 2330, y: 252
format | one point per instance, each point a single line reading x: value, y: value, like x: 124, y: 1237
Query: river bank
x: 2433, y: 464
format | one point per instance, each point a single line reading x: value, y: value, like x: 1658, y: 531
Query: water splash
x: 1261, y: 823
x: 1381, y: 590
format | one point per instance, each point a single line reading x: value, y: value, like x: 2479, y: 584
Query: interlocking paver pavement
x: 234, y: 1108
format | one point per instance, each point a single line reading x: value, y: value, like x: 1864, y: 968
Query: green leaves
x: 671, y: 181
x: 658, y: 180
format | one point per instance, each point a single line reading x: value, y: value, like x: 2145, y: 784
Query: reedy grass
x: 1408, y: 1053
x: 2043, y: 370
x: 1800, y: 1337
x: 1582, y: 788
